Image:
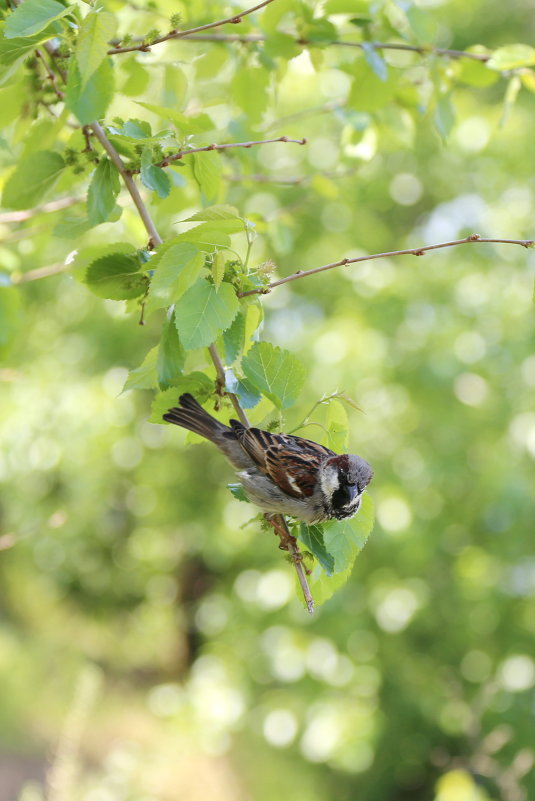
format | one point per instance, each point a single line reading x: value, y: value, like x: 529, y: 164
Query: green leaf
x: 254, y: 315
x: 312, y: 538
x: 238, y: 492
x: 102, y: 193
x: 226, y: 218
x: 89, y: 100
x: 375, y: 61
x: 207, y: 170
x: 323, y: 587
x: 32, y: 178
x: 362, y: 522
x: 176, y: 270
x: 152, y: 176
x: 218, y: 268
x: 320, y: 31
x: 198, y: 384
x: 347, y: 6
x: 137, y: 78
x: 368, y: 91
x: 11, y: 50
x: 282, y: 45
x: 475, y: 73
x: 11, y: 100
x: 187, y: 125
x: 339, y: 540
x: 337, y: 426
x: 72, y: 227
x: 92, y: 44
x: 511, y: 93
x: 43, y: 133
x: 248, y: 395
x: 171, y: 355
x: 88, y: 255
x: 444, y: 116
x: 33, y: 16
x: 249, y: 91
x: 233, y: 338
x: 275, y: 372
x: 135, y: 131
x: 512, y: 57
x: 208, y: 236
x: 203, y: 312
x: 144, y: 376
x: 116, y: 277
x: 9, y: 317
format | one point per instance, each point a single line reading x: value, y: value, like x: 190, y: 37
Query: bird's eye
x: 350, y: 482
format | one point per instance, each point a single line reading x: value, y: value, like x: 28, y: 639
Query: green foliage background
x: 148, y: 629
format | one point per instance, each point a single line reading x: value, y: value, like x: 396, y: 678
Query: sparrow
x: 280, y: 473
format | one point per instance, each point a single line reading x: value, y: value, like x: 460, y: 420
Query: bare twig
x: 46, y: 208
x: 526, y: 243
x: 50, y: 74
x: 40, y: 272
x: 186, y: 152
x: 256, y: 38
x: 174, y: 34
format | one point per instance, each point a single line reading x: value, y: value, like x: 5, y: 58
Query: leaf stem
x: 525, y: 243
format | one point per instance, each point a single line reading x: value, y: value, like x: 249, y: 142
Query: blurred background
x: 152, y: 646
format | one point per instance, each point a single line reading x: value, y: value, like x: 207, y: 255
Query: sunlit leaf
x: 116, y: 277
x: 33, y: 16
x: 176, y: 270
x: 89, y: 100
x: 93, y: 42
x: 204, y: 312
x: 102, y: 193
x: 511, y: 57
x: 171, y: 355
x: 32, y: 178
x: 277, y: 373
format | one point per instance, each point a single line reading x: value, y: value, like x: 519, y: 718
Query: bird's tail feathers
x: 190, y: 414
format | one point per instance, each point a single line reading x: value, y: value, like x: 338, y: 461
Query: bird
x: 282, y: 473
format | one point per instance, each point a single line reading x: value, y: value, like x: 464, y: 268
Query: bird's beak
x: 352, y: 491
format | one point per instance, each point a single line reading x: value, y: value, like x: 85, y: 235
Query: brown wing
x: 290, y: 462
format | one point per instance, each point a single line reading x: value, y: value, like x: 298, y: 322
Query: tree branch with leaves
x: 201, y: 288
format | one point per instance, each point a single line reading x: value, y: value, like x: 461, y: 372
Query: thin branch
x: 50, y: 74
x: 40, y: 272
x: 129, y: 182
x: 221, y: 382
x: 174, y: 34
x: 525, y: 243
x: 186, y: 152
x: 46, y: 208
x: 423, y: 50
x: 278, y: 522
x: 289, y: 543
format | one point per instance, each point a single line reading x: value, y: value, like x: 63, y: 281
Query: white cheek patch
x: 329, y: 481
x: 294, y: 485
